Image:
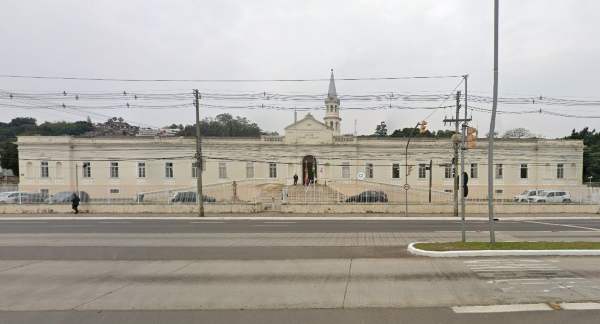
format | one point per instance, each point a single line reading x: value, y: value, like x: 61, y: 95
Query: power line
x: 45, y: 77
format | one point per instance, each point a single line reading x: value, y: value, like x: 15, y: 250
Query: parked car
x: 9, y: 196
x: 525, y: 195
x: 190, y: 197
x: 14, y: 197
x: 65, y: 197
x: 369, y: 196
x: 552, y: 196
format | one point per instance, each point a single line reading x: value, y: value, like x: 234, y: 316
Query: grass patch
x: 469, y: 246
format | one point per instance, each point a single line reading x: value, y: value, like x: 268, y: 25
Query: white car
x: 10, y: 196
x: 552, y: 196
x: 525, y: 195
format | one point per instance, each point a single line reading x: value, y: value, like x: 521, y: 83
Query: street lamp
x: 422, y: 129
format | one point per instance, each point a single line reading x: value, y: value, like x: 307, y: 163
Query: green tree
x: 224, y: 125
x: 381, y: 130
x: 9, y: 158
x: 591, y: 152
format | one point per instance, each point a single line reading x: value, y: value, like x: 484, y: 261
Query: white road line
x: 270, y: 225
x: 564, y: 225
x: 279, y: 222
x: 579, y: 306
x: 207, y: 222
x: 3, y: 222
x: 501, y: 308
x: 115, y: 222
x: 71, y: 225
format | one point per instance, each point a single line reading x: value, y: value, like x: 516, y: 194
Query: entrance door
x: 309, y: 170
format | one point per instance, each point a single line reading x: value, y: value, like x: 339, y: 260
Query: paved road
x: 281, y: 271
x: 306, y: 316
x: 283, y: 226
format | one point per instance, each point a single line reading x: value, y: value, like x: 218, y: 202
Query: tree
x: 381, y: 130
x: 9, y: 158
x: 518, y: 133
x: 224, y: 125
x: 591, y: 152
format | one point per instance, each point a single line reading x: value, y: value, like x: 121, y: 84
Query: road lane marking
x: 207, y: 222
x: 564, y: 225
x: 115, y: 222
x: 501, y: 308
x: 279, y: 222
x: 270, y: 225
x: 25, y: 222
x: 71, y: 225
x: 579, y: 306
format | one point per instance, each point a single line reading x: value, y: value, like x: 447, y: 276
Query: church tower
x: 332, y: 108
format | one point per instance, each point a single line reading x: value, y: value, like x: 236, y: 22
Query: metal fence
x: 267, y: 191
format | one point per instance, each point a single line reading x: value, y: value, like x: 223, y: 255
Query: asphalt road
x: 283, y: 226
x: 304, y: 316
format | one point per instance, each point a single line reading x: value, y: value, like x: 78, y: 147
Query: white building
x: 122, y: 167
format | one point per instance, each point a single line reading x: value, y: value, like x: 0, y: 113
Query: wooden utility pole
x: 200, y: 197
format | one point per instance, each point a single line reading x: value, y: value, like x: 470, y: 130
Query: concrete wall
x: 391, y: 209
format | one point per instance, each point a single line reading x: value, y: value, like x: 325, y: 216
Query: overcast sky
x: 547, y: 48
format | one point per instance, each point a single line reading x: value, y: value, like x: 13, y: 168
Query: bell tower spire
x: 332, y: 107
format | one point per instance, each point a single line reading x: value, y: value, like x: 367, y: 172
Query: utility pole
x: 430, y: 177
x: 455, y: 159
x: 200, y: 197
x: 492, y: 129
x: 462, y: 165
x: 77, y: 178
x: 456, y: 143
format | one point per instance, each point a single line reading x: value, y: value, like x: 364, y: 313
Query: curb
x: 494, y: 253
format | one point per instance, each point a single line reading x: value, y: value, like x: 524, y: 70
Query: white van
x: 552, y: 196
x: 525, y: 195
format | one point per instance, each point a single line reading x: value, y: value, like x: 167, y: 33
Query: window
x: 524, y: 171
x: 474, y: 170
x: 272, y: 170
x: 141, y: 170
x: 222, y: 170
x: 345, y: 170
x: 44, y: 169
x: 448, y: 171
x: 194, y: 169
x: 114, y: 169
x: 422, y: 170
x: 249, y: 170
x: 168, y: 169
x: 369, y: 170
x: 560, y: 171
x: 114, y: 191
x: 395, y: 171
x: 499, y: 171
x: 44, y: 193
x: 499, y: 191
x: 87, y: 169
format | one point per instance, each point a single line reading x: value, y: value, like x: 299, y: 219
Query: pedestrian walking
x: 295, y: 179
x: 75, y: 203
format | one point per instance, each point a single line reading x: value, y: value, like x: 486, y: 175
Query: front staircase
x: 315, y: 193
